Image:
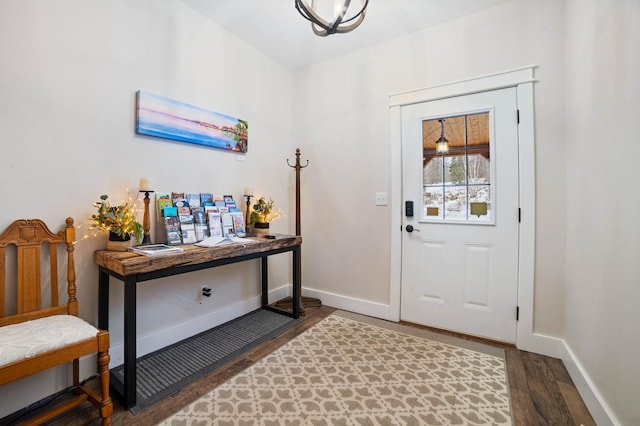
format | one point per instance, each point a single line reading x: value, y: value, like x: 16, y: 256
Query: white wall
x: 68, y: 76
x: 344, y: 121
x: 603, y: 234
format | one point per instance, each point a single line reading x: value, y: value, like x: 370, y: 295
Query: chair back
x: 34, y: 242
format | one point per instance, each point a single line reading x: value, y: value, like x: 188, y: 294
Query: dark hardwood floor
x: 541, y: 390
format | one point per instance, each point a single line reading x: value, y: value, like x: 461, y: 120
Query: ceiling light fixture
x: 442, y: 144
x: 342, y: 22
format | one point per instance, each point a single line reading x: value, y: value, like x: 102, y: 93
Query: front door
x: 460, y: 246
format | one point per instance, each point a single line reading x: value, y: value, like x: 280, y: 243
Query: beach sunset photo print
x: 165, y: 118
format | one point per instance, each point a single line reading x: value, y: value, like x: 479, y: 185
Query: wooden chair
x: 34, y: 337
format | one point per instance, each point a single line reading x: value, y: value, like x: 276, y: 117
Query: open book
x: 220, y: 241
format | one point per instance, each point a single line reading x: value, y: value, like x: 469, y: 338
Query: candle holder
x: 146, y: 222
x: 246, y: 220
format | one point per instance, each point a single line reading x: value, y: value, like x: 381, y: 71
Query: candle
x: 248, y: 191
x: 145, y: 184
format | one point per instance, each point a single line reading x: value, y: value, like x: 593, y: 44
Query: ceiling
x: 275, y: 27
x: 465, y: 134
x: 470, y: 130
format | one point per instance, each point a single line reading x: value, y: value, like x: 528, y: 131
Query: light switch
x: 381, y: 199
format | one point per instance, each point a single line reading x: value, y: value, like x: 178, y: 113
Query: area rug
x: 344, y: 371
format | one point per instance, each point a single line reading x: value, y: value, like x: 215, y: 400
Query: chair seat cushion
x: 30, y: 338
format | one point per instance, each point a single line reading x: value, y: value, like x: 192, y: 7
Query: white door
x: 460, y: 247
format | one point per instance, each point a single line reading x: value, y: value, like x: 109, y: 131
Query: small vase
x: 118, y: 243
x: 260, y: 228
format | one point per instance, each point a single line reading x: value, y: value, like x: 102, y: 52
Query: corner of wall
x: 595, y: 402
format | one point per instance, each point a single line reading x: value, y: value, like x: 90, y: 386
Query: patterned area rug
x: 348, y: 372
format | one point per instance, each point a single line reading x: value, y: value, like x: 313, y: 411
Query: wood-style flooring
x: 541, y: 390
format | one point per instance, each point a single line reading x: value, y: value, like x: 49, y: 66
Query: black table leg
x: 265, y: 282
x: 103, y: 300
x: 130, y: 342
x: 296, y: 282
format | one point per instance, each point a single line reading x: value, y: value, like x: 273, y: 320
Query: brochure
x: 156, y: 249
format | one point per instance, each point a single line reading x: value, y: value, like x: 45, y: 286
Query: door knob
x: 410, y: 228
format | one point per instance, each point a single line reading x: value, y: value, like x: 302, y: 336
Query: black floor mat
x: 170, y: 369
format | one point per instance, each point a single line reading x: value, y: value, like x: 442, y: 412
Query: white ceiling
x: 275, y: 27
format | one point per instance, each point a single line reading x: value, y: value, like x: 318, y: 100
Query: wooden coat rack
x: 305, y: 302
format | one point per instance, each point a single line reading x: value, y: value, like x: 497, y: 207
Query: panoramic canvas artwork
x: 165, y: 118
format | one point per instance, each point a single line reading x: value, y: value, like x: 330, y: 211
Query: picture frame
x: 170, y: 119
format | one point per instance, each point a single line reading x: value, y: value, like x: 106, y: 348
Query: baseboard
x: 598, y: 407
x: 546, y: 345
x: 352, y: 304
x: 558, y: 348
x: 151, y: 342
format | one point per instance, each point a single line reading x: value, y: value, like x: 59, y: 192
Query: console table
x: 132, y: 268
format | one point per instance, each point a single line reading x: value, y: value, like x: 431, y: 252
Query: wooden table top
x: 129, y: 263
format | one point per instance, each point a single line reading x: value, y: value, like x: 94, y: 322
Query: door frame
x: 522, y: 79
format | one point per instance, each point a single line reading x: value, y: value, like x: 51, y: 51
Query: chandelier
x: 343, y: 20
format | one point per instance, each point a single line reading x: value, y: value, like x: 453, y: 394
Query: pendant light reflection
x: 341, y: 22
x: 442, y: 144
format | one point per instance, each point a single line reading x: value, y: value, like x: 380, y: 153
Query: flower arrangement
x: 263, y: 211
x: 118, y: 220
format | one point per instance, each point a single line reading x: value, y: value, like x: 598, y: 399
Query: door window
x: 457, y: 169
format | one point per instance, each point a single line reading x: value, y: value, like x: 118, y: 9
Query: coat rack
x: 305, y: 302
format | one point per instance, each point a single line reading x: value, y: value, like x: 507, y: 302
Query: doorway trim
x: 522, y: 79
